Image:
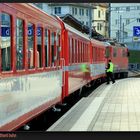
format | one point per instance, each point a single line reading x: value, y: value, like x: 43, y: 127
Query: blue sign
x: 136, y: 31
x: 30, y: 31
x: 5, y: 31
x: 38, y: 31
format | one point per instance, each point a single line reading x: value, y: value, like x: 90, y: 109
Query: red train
x: 41, y: 60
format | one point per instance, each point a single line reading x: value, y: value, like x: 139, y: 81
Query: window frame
x: 23, y: 21
x: 12, y: 41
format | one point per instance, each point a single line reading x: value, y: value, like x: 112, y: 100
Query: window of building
x: 82, y: 22
x: 125, y: 34
x: 6, y: 42
x: 138, y: 7
x: 87, y: 12
x: 138, y: 19
x: 87, y: 23
x: 99, y: 14
x: 82, y: 12
x: 117, y: 35
x: 102, y: 12
x: 30, y: 46
x: 116, y: 21
x: 19, y: 44
x: 75, y: 11
x: 46, y: 48
x: 117, y: 8
x: 39, y: 47
x: 127, y: 8
x: 98, y: 26
x: 127, y: 21
x: 57, y: 10
x: 39, y: 5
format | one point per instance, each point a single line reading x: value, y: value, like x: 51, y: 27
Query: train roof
x: 97, y: 42
x: 114, y: 44
x: 31, y: 10
x: 71, y: 29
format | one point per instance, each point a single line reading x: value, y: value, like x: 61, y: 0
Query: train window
x: 115, y: 52
x: 46, y: 48
x: 88, y: 55
x: 107, y: 52
x: 93, y: 53
x: 30, y: 46
x: 81, y: 52
x: 19, y: 44
x: 78, y: 51
x: 39, y: 47
x: 75, y: 51
x: 52, y: 47
x: 70, y: 50
x: 6, y: 41
x: 58, y: 48
x: 84, y: 52
x: 124, y: 53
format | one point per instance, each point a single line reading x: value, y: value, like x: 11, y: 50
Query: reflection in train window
x: 52, y: 47
x: 19, y: 44
x: 58, y: 48
x: 6, y: 42
x: 115, y: 52
x: 30, y: 46
x: 39, y: 47
x: 46, y: 48
x: 107, y: 52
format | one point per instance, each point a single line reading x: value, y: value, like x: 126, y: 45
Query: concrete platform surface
x: 113, y: 107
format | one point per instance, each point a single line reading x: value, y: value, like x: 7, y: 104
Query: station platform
x: 113, y: 107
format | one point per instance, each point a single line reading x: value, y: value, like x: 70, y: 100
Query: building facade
x: 123, y: 18
x: 78, y: 10
x: 100, y: 20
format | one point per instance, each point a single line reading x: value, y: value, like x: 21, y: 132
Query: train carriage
x: 98, y: 61
x: 78, y: 46
x: 30, y: 65
x: 119, y: 56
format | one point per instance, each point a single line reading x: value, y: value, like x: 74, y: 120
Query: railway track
x: 134, y: 73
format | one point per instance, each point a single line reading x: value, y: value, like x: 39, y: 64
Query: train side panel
x: 78, y: 54
x: 119, y: 56
x: 25, y: 97
x: 98, y: 60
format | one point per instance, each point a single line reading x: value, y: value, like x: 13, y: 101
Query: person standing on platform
x: 109, y: 72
